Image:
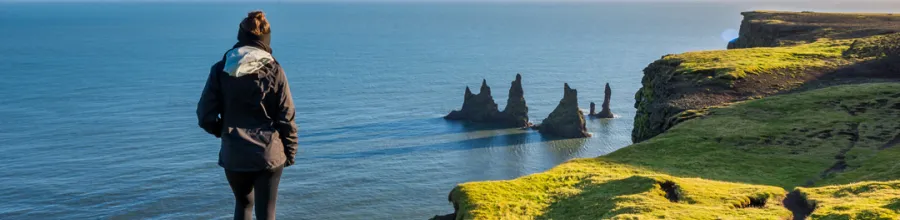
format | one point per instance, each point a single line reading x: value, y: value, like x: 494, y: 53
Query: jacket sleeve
x: 283, y: 116
x: 210, y: 106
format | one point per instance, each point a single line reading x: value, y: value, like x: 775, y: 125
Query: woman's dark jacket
x: 247, y: 102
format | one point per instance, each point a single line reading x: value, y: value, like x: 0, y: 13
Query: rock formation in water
x: 593, y: 108
x: 476, y: 108
x: 482, y: 108
x: 516, y: 112
x: 605, y: 112
x: 567, y: 120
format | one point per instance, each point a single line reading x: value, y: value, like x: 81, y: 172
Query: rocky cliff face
x: 674, y: 91
x: 774, y: 29
x: 679, y: 87
x: 481, y: 108
x: 567, y: 120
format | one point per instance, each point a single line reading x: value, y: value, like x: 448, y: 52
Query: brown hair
x: 256, y: 23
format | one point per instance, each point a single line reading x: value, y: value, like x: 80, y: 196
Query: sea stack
x: 476, y: 107
x: 593, y: 107
x: 516, y: 112
x: 567, y: 120
x: 481, y: 108
x: 605, y: 113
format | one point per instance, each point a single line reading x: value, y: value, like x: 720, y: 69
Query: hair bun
x: 259, y: 15
x: 256, y: 23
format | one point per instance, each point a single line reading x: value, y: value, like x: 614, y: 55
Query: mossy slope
x: 736, y: 162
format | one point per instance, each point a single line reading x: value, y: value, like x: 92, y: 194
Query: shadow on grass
x: 599, y: 201
x: 885, y: 69
x: 894, y: 205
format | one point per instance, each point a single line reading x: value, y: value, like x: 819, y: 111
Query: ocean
x: 98, y: 119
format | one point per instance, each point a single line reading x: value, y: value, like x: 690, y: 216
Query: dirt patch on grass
x: 841, y: 164
x: 798, y: 205
x: 671, y: 190
x: 755, y: 202
x: 893, y: 143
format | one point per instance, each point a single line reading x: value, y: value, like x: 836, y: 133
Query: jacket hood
x: 246, y: 60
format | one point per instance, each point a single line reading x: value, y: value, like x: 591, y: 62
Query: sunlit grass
x: 739, y: 63
x: 865, y: 200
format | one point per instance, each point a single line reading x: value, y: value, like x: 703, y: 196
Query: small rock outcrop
x: 593, y: 108
x: 605, y: 112
x: 476, y: 107
x: 481, y: 108
x: 567, y: 120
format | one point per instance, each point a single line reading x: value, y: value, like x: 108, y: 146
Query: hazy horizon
x: 840, y: 6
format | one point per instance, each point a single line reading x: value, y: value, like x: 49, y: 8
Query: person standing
x: 247, y: 103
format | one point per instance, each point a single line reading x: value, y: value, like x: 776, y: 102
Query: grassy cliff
x: 774, y: 28
x: 697, y: 80
x: 737, y: 162
x: 807, y: 129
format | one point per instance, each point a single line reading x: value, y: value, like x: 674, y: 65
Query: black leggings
x: 261, y: 186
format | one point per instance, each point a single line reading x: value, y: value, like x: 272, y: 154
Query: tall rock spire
x: 516, y: 111
x: 605, y: 113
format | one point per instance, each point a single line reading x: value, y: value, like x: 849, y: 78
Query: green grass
x: 723, y: 164
x: 739, y: 63
x: 865, y: 200
x: 877, y: 46
x: 789, y: 60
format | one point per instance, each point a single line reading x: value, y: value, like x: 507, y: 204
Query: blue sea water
x: 97, y: 117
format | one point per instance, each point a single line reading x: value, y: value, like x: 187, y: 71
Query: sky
x: 792, y: 1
